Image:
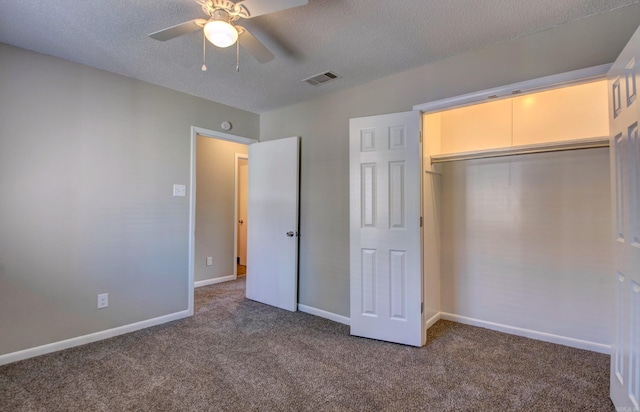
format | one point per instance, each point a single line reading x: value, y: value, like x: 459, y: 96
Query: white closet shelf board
x: 589, y: 143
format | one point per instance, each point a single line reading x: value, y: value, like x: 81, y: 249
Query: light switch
x: 180, y: 190
x: 103, y: 300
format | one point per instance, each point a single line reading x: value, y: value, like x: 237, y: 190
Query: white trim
x: 213, y: 281
x: 235, y: 211
x: 529, y: 86
x: 431, y: 321
x: 92, y: 337
x: 324, y: 314
x: 195, y: 131
x: 222, y: 136
x: 543, y: 336
x: 590, y: 143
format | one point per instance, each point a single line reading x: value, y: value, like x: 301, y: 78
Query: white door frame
x: 195, y: 131
x: 235, y: 212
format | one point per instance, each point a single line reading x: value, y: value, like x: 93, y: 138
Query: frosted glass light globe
x: 220, y: 33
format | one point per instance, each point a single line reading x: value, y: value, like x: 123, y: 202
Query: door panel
x: 624, y: 113
x: 272, y: 244
x: 385, y: 278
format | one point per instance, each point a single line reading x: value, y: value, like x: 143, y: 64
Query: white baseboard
x: 213, y: 281
x: 93, y: 337
x: 527, y: 333
x: 324, y: 314
x: 429, y: 323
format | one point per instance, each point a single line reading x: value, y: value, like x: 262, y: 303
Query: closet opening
x: 517, y: 215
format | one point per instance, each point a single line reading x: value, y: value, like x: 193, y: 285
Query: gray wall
x: 215, y: 204
x: 87, y: 164
x: 323, y: 125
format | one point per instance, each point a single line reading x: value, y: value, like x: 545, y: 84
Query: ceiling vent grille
x: 321, y: 78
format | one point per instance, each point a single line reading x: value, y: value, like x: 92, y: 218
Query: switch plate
x: 103, y: 300
x: 180, y: 190
x: 209, y: 260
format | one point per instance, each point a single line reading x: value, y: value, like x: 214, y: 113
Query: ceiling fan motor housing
x: 221, y: 15
x: 234, y: 10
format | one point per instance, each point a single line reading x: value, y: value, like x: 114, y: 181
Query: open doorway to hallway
x: 220, y: 204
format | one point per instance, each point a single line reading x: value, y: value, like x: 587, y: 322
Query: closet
x: 517, y: 202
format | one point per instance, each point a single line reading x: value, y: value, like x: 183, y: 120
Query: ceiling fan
x: 220, y: 27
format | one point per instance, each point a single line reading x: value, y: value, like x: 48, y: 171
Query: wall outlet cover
x: 180, y: 190
x: 103, y: 300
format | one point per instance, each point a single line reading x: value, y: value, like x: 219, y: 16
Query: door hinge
x: 421, y: 307
x: 420, y: 221
x: 420, y: 137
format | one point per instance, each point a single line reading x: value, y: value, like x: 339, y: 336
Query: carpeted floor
x: 239, y: 355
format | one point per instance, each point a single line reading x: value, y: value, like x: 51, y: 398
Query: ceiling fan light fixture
x: 221, y: 33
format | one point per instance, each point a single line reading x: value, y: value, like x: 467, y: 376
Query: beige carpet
x: 239, y: 355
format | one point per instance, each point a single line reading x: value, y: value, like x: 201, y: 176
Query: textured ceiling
x: 361, y: 40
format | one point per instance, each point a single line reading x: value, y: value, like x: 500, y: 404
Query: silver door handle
x: 290, y: 233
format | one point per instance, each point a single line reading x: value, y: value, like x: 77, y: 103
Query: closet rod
x: 521, y: 150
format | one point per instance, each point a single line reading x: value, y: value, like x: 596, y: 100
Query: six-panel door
x: 624, y: 114
x: 385, y: 280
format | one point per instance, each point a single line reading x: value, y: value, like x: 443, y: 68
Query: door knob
x: 290, y: 233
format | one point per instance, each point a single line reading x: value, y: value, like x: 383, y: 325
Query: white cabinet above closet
x: 576, y: 113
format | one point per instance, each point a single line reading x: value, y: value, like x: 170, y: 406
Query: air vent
x: 321, y: 78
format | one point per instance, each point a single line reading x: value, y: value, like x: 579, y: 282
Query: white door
x: 243, y: 191
x: 385, y: 192
x: 624, y: 114
x: 272, y: 244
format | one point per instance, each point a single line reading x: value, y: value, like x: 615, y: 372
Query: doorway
x: 213, y: 242
x: 270, y: 184
x: 241, y: 201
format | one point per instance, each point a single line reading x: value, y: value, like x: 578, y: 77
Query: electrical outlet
x: 179, y: 190
x: 103, y: 300
x: 209, y: 260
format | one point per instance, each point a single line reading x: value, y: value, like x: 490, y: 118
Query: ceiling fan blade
x: 254, y: 8
x: 178, y: 30
x: 253, y: 46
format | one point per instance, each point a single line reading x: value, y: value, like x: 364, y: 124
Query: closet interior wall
x: 525, y: 242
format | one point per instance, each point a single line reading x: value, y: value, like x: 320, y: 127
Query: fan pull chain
x: 237, y: 56
x: 204, y: 52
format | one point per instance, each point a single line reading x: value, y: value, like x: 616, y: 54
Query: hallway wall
x: 215, y: 191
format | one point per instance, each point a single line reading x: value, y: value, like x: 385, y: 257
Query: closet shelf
x: 589, y: 143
